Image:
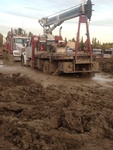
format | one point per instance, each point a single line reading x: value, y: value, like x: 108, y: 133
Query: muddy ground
x: 44, y: 112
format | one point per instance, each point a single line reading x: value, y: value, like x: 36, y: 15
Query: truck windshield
x: 20, y: 40
x: 97, y: 51
x: 108, y: 52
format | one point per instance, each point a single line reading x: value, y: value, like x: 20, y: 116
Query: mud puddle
x: 104, y: 79
x: 101, y: 78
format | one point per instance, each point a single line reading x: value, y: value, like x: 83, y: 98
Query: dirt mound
x: 106, y: 65
x: 33, y: 117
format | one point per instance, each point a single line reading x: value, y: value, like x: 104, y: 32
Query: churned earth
x: 44, y: 112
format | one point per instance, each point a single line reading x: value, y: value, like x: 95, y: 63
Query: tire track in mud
x: 34, y: 117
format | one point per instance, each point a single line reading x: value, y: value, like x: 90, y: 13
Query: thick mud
x: 44, y: 112
x: 107, y: 65
x: 54, y: 117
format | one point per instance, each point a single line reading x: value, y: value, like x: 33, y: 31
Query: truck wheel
x: 22, y: 60
x: 46, y: 67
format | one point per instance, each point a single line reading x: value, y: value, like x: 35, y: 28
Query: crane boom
x: 83, y: 9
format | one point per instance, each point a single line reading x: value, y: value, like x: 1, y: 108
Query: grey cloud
x: 40, y: 8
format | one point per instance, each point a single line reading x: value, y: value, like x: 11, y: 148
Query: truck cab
x: 108, y: 53
x: 18, y: 45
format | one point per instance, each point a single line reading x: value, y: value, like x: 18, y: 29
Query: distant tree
x: 16, y: 31
x: 24, y: 33
x: 103, y: 46
x: 73, y: 39
x: 94, y: 42
x: 65, y: 39
x: 30, y: 34
x: 81, y: 44
x: 8, y: 33
x: 19, y: 31
x: 107, y: 46
x: 1, y: 40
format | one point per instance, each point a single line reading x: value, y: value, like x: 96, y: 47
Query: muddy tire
x: 46, y: 67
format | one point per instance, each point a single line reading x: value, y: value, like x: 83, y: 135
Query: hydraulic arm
x: 83, y: 9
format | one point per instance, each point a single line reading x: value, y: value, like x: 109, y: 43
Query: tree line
x: 19, y: 32
x: 1, y: 40
x: 95, y: 44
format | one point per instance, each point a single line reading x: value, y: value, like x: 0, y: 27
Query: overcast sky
x: 26, y: 13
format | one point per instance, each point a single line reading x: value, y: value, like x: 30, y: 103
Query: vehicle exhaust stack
x: 60, y: 31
